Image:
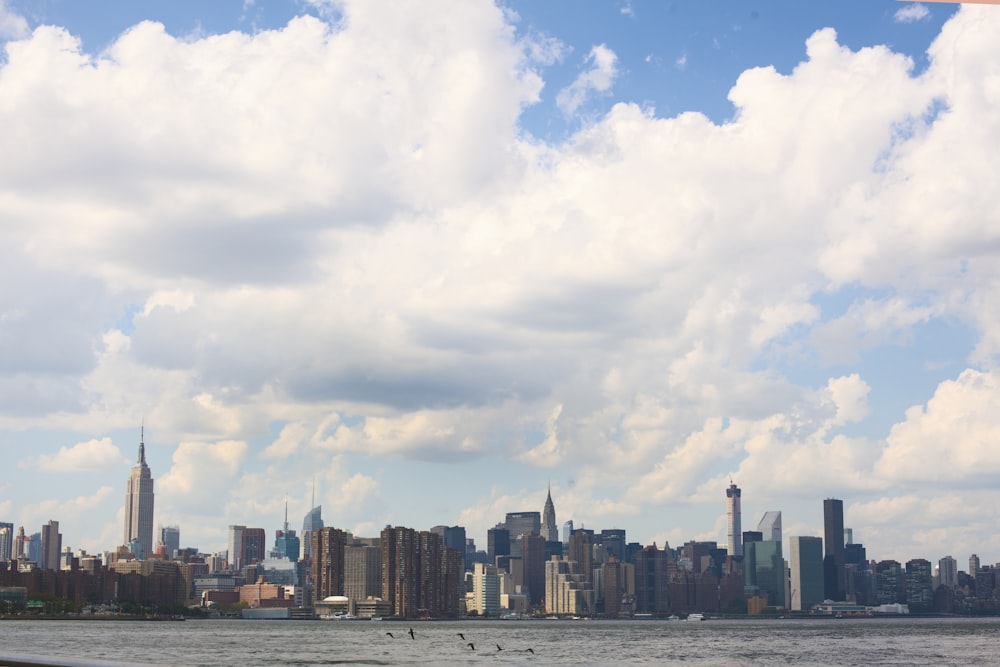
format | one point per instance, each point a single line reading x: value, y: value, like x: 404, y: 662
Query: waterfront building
x: 485, y: 590
x: 550, y: 531
x: 652, y: 576
x: 734, y: 521
x: 919, y: 586
x: 362, y: 571
x: 327, y: 546
x: 764, y: 571
x: 139, y: 504
x: 805, y: 559
x: 948, y: 572
x: 833, y: 544
x: 889, y: 582
x: 566, y: 589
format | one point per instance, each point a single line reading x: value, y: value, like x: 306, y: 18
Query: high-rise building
x: 236, y: 547
x: 400, y: 570
x: 805, y: 561
x: 533, y: 566
x: 312, y: 521
x: 770, y: 526
x: 19, y: 543
x: 567, y: 530
x: 254, y: 546
x: 833, y: 549
x: 6, y: 541
x: 973, y: 565
x: 454, y: 538
x: 139, y: 504
x: 33, y: 548
x: 170, y: 537
x: 327, y: 548
x: 764, y: 570
x: 733, y: 514
x: 919, y: 587
x: 889, y: 582
x: 521, y: 523
x: 362, y: 571
x: 581, y: 551
x: 497, y: 543
x: 652, y: 592
x: 550, y: 531
x: 51, y: 546
x: 948, y: 572
x: 485, y: 590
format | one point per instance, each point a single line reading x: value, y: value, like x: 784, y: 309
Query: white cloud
x: 911, y: 13
x: 388, y: 269
x: 599, y: 78
x: 81, y: 457
x: 12, y: 24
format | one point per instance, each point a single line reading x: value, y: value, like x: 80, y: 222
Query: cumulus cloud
x: 309, y: 231
x: 599, y: 78
x: 81, y: 457
x: 911, y: 13
x: 12, y: 24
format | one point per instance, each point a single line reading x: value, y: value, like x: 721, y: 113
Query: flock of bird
x: 471, y: 645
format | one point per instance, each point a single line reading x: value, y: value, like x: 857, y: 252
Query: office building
x: 453, y: 538
x: 652, y: 579
x: 567, y: 591
x: 567, y: 530
x: 890, y: 585
x: 51, y: 546
x: 6, y: 541
x: 254, y: 546
x: 497, y: 543
x: 312, y: 521
x: 139, y: 504
x: 764, y: 571
x: 581, y: 552
x: 948, y: 572
x: 919, y: 587
x: 834, y: 584
x: 236, y: 547
x: 170, y: 537
x: 805, y: 560
x: 973, y: 565
x: 550, y: 530
x: 770, y: 526
x: 733, y: 516
x: 533, y: 567
x: 485, y: 590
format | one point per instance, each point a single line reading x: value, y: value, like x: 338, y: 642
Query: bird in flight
x: 411, y: 633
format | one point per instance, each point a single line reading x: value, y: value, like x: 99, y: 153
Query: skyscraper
x: 550, y: 531
x: 51, y: 546
x: 286, y: 544
x: 805, y: 561
x: 948, y: 572
x: 770, y: 526
x: 236, y: 547
x: 313, y: 521
x: 139, y: 504
x: 170, y: 537
x: 833, y: 546
x: 733, y: 513
x: 6, y: 541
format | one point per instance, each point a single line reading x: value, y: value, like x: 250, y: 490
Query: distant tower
x: 312, y: 521
x: 834, y: 574
x: 733, y: 512
x: 770, y: 526
x: 549, y: 529
x: 139, y: 503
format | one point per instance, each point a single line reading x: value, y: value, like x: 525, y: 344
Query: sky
x: 428, y: 260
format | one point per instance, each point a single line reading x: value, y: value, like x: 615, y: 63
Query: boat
x: 696, y: 617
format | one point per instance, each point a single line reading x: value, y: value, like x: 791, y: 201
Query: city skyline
x: 433, y: 258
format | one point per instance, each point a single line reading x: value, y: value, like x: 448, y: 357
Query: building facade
x: 805, y: 561
x: 139, y: 504
x: 734, y: 520
x: 833, y: 549
x: 550, y: 529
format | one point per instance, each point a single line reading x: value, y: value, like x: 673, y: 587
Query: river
x: 845, y: 642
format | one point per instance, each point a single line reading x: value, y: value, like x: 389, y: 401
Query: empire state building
x: 139, y: 505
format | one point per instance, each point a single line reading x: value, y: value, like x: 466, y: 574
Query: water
x: 838, y: 643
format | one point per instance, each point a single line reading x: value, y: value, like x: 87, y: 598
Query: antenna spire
x: 142, y: 444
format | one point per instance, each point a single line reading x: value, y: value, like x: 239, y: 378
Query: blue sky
x: 434, y: 258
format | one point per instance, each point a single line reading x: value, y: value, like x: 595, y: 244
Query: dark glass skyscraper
x: 833, y: 549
